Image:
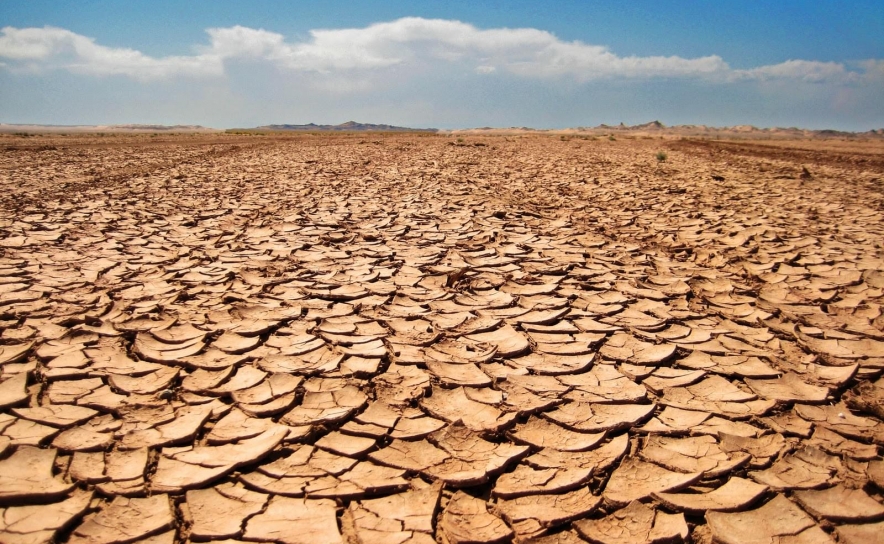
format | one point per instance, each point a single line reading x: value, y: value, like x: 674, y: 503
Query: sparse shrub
x: 460, y: 140
x: 661, y: 156
x: 612, y: 138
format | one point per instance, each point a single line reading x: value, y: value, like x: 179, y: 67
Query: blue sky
x: 814, y: 64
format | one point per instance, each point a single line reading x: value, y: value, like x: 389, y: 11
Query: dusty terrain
x: 408, y: 339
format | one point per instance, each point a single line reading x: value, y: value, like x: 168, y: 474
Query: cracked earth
x: 416, y: 339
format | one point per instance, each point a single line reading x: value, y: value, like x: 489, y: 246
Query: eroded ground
x: 415, y: 339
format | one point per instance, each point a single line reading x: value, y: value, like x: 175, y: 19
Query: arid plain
x: 412, y: 338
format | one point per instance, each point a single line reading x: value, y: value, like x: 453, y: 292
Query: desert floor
x: 417, y: 338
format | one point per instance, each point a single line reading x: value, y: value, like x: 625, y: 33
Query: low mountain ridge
x: 657, y: 128
x: 349, y: 126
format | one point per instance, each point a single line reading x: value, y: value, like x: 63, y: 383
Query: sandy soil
x: 413, y: 338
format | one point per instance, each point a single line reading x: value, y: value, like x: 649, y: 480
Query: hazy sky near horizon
x: 443, y: 64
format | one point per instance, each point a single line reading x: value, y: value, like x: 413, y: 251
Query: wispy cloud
x: 410, y: 42
x: 803, y: 70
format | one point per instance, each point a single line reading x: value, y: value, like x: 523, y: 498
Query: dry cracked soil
x: 416, y: 339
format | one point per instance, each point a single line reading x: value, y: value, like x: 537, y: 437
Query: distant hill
x: 656, y: 128
x: 161, y: 128
x: 349, y: 126
x: 653, y: 129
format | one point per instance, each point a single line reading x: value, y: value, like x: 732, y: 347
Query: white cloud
x: 873, y: 69
x: 805, y: 70
x: 407, y: 43
x: 240, y: 41
x: 51, y: 47
x: 525, y: 52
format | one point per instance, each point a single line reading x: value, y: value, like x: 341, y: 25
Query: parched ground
x: 417, y: 339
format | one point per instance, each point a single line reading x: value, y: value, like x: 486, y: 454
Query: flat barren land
x: 424, y: 338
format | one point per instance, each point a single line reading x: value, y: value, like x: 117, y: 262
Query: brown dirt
x: 424, y: 338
